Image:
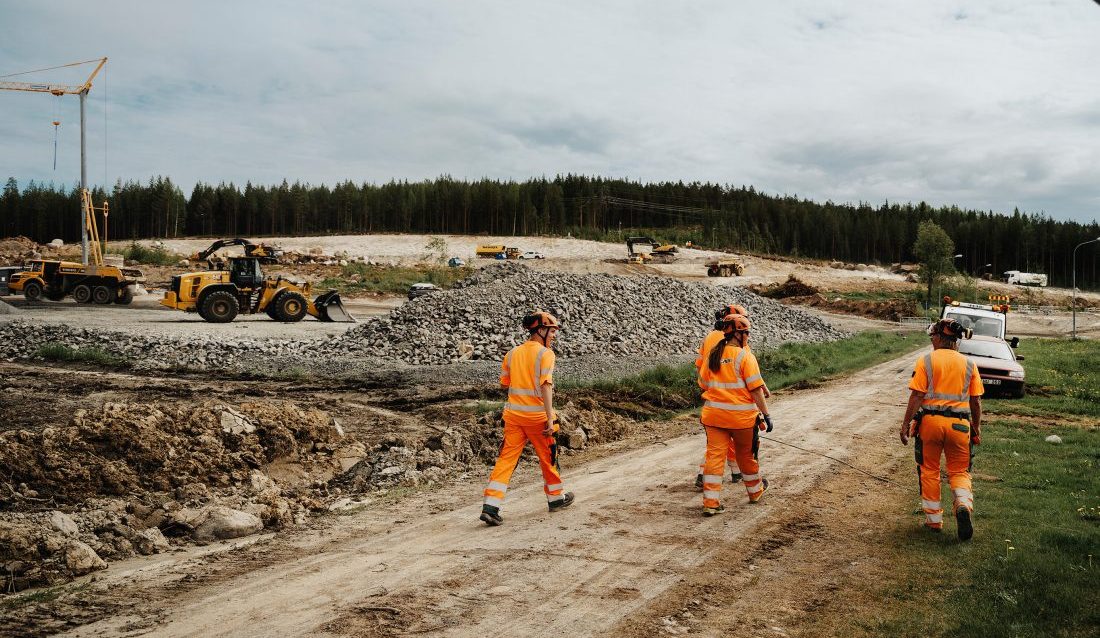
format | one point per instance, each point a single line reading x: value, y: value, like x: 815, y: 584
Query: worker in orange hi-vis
x: 733, y: 408
x: 944, y: 416
x: 528, y: 373
x: 708, y: 344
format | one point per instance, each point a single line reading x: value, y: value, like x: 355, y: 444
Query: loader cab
x: 245, y: 272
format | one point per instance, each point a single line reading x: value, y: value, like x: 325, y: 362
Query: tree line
x: 711, y: 215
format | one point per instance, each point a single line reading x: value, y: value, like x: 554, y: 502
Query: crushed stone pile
x: 602, y: 314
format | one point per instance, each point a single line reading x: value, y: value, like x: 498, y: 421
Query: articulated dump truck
x: 240, y: 287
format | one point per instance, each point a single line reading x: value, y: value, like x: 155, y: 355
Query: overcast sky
x: 988, y: 105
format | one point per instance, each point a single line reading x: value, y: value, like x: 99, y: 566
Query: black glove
x: 768, y: 420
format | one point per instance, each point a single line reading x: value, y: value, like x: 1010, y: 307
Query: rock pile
x: 602, y: 314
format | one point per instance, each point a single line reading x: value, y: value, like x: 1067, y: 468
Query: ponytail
x: 714, y: 362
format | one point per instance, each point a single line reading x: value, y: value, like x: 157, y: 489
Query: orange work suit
x: 524, y: 370
x: 729, y: 415
x: 709, y: 342
x: 948, y: 380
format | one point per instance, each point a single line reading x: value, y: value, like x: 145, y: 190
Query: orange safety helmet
x: 949, y: 329
x: 540, y: 319
x: 732, y: 309
x: 735, y: 323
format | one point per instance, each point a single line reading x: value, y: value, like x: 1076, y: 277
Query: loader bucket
x: 330, y: 308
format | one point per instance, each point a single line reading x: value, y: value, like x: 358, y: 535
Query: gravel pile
x: 602, y: 314
x: 613, y: 325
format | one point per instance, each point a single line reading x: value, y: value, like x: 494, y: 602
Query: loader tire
x: 82, y: 293
x: 125, y: 296
x: 290, y: 306
x: 220, y: 306
x: 32, y: 291
x: 103, y: 295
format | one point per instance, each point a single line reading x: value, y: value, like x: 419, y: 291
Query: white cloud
x: 983, y: 105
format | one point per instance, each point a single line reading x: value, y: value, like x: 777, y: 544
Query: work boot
x: 491, y: 515
x: 755, y: 498
x: 966, y: 528
x: 711, y: 511
x: 735, y: 477
x: 699, y: 481
x: 562, y: 504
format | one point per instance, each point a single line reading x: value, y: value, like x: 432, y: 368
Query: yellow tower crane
x: 67, y: 89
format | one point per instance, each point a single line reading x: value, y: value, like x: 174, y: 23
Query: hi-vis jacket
x: 524, y: 369
x: 711, y: 340
x: 948, y: 379
x: 727, y: 398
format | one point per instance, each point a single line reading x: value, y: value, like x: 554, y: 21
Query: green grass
x: 362, y: 278
x: 63, y: 353
x: 1042, y: 500
x: 1063, y: 377
x: 671, y: 388
x: 146, y: 255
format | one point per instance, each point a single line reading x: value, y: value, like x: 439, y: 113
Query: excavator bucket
x: 330, y: 308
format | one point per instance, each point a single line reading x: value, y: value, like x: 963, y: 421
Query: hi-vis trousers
x: 719, y: 440
x: 950, y: 437
x: 515, y: 439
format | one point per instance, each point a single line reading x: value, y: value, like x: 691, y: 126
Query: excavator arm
x: 267, y: 254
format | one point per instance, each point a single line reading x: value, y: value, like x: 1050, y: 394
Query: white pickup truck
x: 989, y: 321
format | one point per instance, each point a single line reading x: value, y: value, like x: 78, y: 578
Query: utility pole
x: 83, y: 178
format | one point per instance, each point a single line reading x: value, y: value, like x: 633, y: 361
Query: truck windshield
x: 984, y: 326
x: 991, y: 349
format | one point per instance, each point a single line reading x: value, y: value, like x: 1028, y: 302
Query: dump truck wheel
x: 712, y: 272
x: 220, y: 306
x: 103, y: 294
x: 290, y: 306
x: 32, y: 291
x: 82, y: 294
x: 125, y: 296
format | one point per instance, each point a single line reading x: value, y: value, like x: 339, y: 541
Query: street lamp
x: 1075, y: 284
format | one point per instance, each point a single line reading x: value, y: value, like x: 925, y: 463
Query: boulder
x: 63, y: 523
x: 81, y: 559
x: 219, y: 522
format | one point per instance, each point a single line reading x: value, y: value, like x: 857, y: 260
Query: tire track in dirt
x: 633, y: 533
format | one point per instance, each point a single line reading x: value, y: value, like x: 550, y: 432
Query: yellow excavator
x: 236, y: 285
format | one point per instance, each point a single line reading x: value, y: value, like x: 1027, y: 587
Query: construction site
x: 502, y: 404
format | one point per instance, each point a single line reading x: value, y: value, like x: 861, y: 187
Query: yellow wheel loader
x: 241, y: 288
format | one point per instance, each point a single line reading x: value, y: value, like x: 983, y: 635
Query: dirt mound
x: 793, y: 287
x: 887, y: 310
x: 121, y: 449
x: 14, y: 251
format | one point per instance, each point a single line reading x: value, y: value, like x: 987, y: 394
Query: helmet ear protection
x: 735, y: 323
x: 950, y: 329
x: 539, y: 319
x: 725, y: 311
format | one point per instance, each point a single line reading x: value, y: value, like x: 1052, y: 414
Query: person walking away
x: 712, y: 338
x: 733, y: 408
x: 528, y: 373
x: 944, y: 416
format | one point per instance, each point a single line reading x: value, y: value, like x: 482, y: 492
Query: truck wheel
x: 125, y: 296
x: 103, y: 295
x: 290, y: 306
x: 220, y: 306
x: 82, y: 293
x: 32, y: 291
x: 712, y: 272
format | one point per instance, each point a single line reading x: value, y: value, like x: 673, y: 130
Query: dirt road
x: 425, y: 565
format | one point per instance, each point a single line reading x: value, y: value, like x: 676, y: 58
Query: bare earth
x: 425, y: 565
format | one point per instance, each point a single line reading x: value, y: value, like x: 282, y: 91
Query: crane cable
x: 49, y: 68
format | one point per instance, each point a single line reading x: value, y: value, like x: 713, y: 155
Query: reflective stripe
x: 554, y: 487
x: 753, y: 489
x: 933, y: 518
x: 930, y: 505
x: 494, y: 501
x: 715, y: 494
x: 725, y: 385
x: 962, y: 492
x: 730, y: 406
x: 500, y: 487
x: 712, y: 478
x: 538, y: 365
x: 737, y: 362
x: 554, y: 498
x: 932, y: 395
x: 524, y: 392
x: 750, y: 477
x: 755, y: 377
x: 524, y: 408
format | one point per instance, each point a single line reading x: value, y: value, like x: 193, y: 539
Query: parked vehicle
x: 724, y: 267
x: 532, y: 254
x: 421, y: 289
x: 5, y: 273
x: 1024, y: 278
x: 997, y: 364
x: 456, y: 262
x: 494, y: 251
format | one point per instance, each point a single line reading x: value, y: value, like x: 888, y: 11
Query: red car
x: 996, y: 364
